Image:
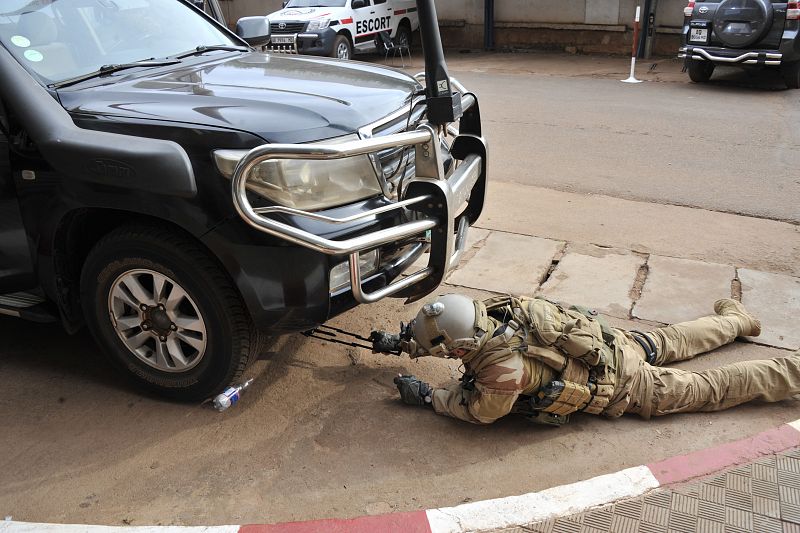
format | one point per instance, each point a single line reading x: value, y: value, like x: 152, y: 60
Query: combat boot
x: 749, y: 325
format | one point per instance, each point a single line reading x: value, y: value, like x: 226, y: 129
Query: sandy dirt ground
x: 321, y: 433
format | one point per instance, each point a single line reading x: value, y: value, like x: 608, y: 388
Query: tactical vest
x: 572, y: 341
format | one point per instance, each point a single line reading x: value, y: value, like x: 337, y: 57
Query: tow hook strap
x: 331, y: 334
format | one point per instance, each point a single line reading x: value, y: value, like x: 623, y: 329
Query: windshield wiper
x: 109, y: 69
x: 202, y: 49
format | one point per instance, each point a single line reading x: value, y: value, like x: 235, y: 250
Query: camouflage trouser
x: 652, y: 390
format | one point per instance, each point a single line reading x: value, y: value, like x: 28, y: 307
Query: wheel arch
x: 346, y: 33
x: 77, y: 232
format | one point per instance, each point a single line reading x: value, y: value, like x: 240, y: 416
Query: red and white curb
x: 502, y: 512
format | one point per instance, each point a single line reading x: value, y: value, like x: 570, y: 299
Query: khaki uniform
x: 507, y: 366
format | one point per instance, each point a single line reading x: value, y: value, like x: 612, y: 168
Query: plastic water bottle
x: 230, y: 396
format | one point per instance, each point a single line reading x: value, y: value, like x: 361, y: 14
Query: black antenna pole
x: 444, y: 106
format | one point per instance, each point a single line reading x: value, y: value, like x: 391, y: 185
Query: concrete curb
x: 501, y: 512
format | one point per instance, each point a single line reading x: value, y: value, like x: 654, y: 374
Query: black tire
x: 403, y: 36
x: 700, y: 71
x: 342, y: 48
x: 231, y: 340
x: 791, y: 74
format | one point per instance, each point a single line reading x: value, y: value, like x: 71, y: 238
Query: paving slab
x: 775, y: 300
x: 474, y: 237
x: 677, y: 290
x: 601, y: 278
x: 508, y: 262
x: 664, y: 230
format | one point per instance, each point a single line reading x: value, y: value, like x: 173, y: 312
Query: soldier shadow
x: 368, y: 404
x: 371, y: 392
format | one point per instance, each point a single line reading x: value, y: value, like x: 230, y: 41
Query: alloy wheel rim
x: 157, y: 320
x: 343, y: 52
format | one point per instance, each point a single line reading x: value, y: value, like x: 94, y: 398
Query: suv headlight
x: 319, y: 24
x: 304, y: 184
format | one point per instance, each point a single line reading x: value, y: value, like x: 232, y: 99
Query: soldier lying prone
x: 546, y: 361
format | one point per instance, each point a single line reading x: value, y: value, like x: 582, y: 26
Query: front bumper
x: 317, y: 42
x: 434, y: 203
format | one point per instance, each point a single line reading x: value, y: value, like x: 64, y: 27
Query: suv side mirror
x: 254, y: 30
x: 358, y: 4
x: 284, y: 3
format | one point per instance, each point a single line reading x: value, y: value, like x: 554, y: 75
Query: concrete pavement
x: 674, y: 266
x: 759, y: 495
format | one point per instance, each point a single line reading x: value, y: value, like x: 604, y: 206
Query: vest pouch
x: 579, y: 341
x: 546, y: 320
x: 561, y: 397
x: 600, y: 400
x: 569, y: 331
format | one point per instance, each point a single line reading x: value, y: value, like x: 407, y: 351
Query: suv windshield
x: 316, y: 3
x: 63, y: 39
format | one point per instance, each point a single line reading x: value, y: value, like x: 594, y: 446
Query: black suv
x: 741, y: 33
x: 184, y: 195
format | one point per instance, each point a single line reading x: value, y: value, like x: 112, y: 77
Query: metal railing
x: 747, y: 58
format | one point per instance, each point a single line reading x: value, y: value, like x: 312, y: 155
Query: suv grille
x: 288, y: 27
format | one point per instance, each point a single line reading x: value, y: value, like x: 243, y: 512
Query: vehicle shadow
x: 31, y: 352
x: 733, y: 79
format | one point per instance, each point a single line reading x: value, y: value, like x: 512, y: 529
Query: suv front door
x: 16, y: 267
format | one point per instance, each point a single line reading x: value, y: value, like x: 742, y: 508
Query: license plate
x: 738, y: 27
x: 698, y: 35
x: 282, y: 39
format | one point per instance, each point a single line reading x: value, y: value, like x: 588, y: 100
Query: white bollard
x: 634, y: 47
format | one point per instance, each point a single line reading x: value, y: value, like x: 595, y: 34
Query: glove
x: 414, y: 391
x: 383, y: 342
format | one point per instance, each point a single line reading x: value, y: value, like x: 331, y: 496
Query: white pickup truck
x: 337, y: 28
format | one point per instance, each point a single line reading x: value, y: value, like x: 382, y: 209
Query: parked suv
x: 184, y: 196
x: 337, y: 28
x: 741, y: 33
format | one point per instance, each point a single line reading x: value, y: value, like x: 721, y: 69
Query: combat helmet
x: 451, y: 322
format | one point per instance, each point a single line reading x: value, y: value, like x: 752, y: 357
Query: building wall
x: 670, y: 12
x: 236, y: 9
x: 595, y: 26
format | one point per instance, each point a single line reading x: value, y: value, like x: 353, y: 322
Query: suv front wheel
x: 342, y: 49
x: 700, y: 71
x: 165, y: 313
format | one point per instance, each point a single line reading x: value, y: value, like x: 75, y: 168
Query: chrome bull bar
x: 430, y: 193
x: 747, y: 58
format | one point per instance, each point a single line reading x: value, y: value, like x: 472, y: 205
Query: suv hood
x: 279, y: 98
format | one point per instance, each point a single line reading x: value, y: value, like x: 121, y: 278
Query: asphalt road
x: 567, y: 123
